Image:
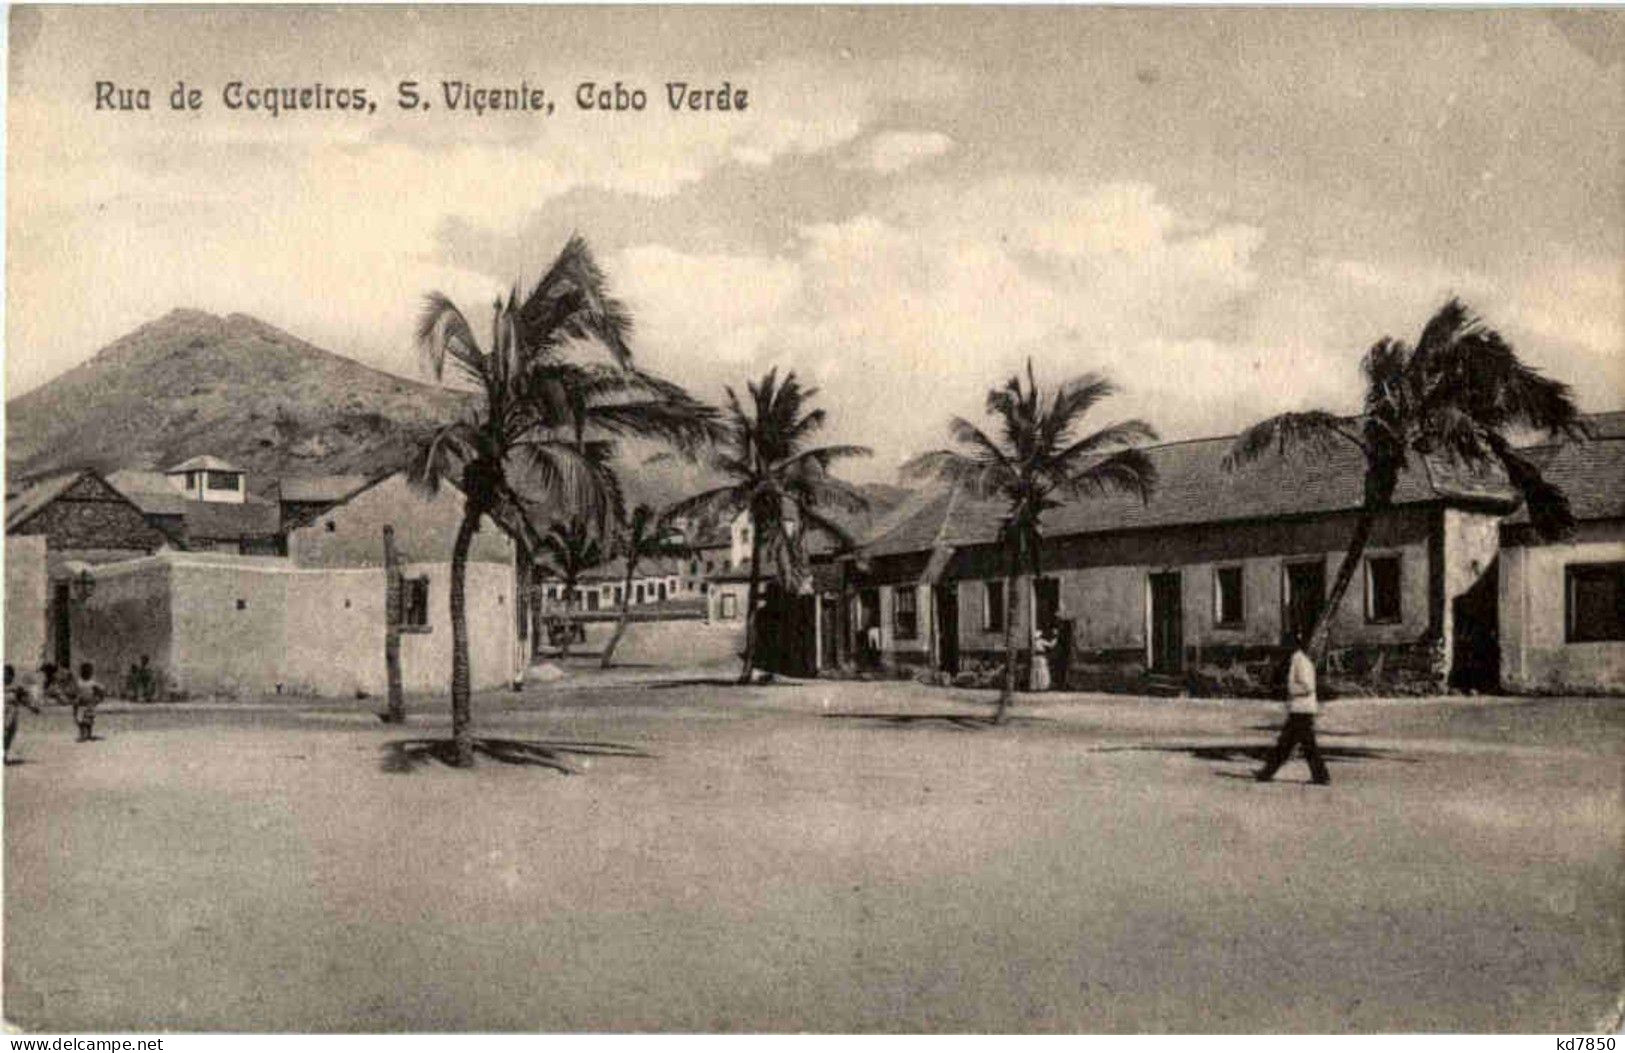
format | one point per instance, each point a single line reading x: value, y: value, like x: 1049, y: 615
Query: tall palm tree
x: 779, y: 480
x: 525, y: 433
x: 1038, y: 463
x: 566, y: 551
x: 1457, y: 394
x: 644, y: 535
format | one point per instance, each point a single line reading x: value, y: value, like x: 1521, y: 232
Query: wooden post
x: 392, y: 629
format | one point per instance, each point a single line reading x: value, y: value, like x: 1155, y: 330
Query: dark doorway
x: 1305, y: 592
x: 1167, y: 624
x: 867, y: 642
x: 829, y: 631
x: 945, y: 601
x: 1475, y: 662
x: 785, y: 627
x: 1047, y: 602
x: 63, y: 619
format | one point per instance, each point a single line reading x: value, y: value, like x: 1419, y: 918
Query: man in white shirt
x: 1302, y: 706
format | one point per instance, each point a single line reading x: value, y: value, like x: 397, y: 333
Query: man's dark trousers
x: 1299, y: 727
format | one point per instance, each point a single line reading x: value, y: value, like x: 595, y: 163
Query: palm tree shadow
x: 961, y: 721
x: 407, y: 755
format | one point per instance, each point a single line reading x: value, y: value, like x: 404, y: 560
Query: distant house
x: 57, y: 527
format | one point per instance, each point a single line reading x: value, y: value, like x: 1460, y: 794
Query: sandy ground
x: 818, y: 858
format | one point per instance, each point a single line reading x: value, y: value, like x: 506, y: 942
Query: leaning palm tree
x: 566, y: 552
x: 1457, y: 394
x: 644, y: 535
x: 522, y: 438
x: 779, y: 481
x: 1038, y: 463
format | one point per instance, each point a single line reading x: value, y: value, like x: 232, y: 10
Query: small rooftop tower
x: 209, y: 479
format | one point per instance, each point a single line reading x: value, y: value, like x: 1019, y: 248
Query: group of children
x: 82, y: 692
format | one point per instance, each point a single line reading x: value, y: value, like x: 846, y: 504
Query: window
x: 1227, y: 597
x: 332, y: 527
x: 222, y: 480
x: 905, y: 613
x: 242, y: 605
x: 1596, y: 602
x: 1382, y: 590
x: 730, y: 605
x: 993, y: 606
x: 415, y: 604
x: 640, y: 592
x: 191, y: 480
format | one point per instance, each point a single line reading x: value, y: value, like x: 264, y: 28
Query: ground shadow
x: 1228, y: 753
x: 1321, y: 733
x: 719, y: 681
x: 12, y: 762
x: 407, y: 755
x: 962, y: 721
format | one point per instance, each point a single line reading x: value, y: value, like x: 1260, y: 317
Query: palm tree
x: 645, y: 534
x: 777, y: 479
x: 533, y: 425
x: 1038, y: 462
x: 567, y: 551
x: 1456, y: 394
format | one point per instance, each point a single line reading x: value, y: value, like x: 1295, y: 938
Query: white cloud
x: 891, y: 152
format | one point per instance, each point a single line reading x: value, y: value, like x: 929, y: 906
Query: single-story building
x: 1209, y: 575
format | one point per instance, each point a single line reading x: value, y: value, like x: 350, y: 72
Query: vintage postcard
x: 973, y: 519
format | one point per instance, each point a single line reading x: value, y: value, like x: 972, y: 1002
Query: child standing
x: 86, y: 694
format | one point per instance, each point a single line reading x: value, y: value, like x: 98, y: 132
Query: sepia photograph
x: 812, y: 519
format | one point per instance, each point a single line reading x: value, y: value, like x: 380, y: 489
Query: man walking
x: 1300, y: 721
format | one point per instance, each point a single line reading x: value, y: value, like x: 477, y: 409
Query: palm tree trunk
x: 569, y: 619
x: 1378, y: 497
x: 1008, y: 691
x: 462, y: 737
x: 1036, y: 565
x: 750, y: 601
x: 396, y: 713
x: 1320, y: 635
x: 626, y: 616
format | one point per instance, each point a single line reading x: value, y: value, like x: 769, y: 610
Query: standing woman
x: 1042, y: 646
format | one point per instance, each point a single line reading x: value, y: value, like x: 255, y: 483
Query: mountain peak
x: 191, y: 383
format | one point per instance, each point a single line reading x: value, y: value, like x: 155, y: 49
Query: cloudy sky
x: 1219, y: 208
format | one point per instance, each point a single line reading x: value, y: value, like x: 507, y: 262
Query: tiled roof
x: 1192, y: 488
x: 314, y: 489
x: 149, y: 491
x: 1591, y: 474
x: 37, y: 495
x: 225, y: 521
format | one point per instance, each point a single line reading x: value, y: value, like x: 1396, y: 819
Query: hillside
x: 193, y: 383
